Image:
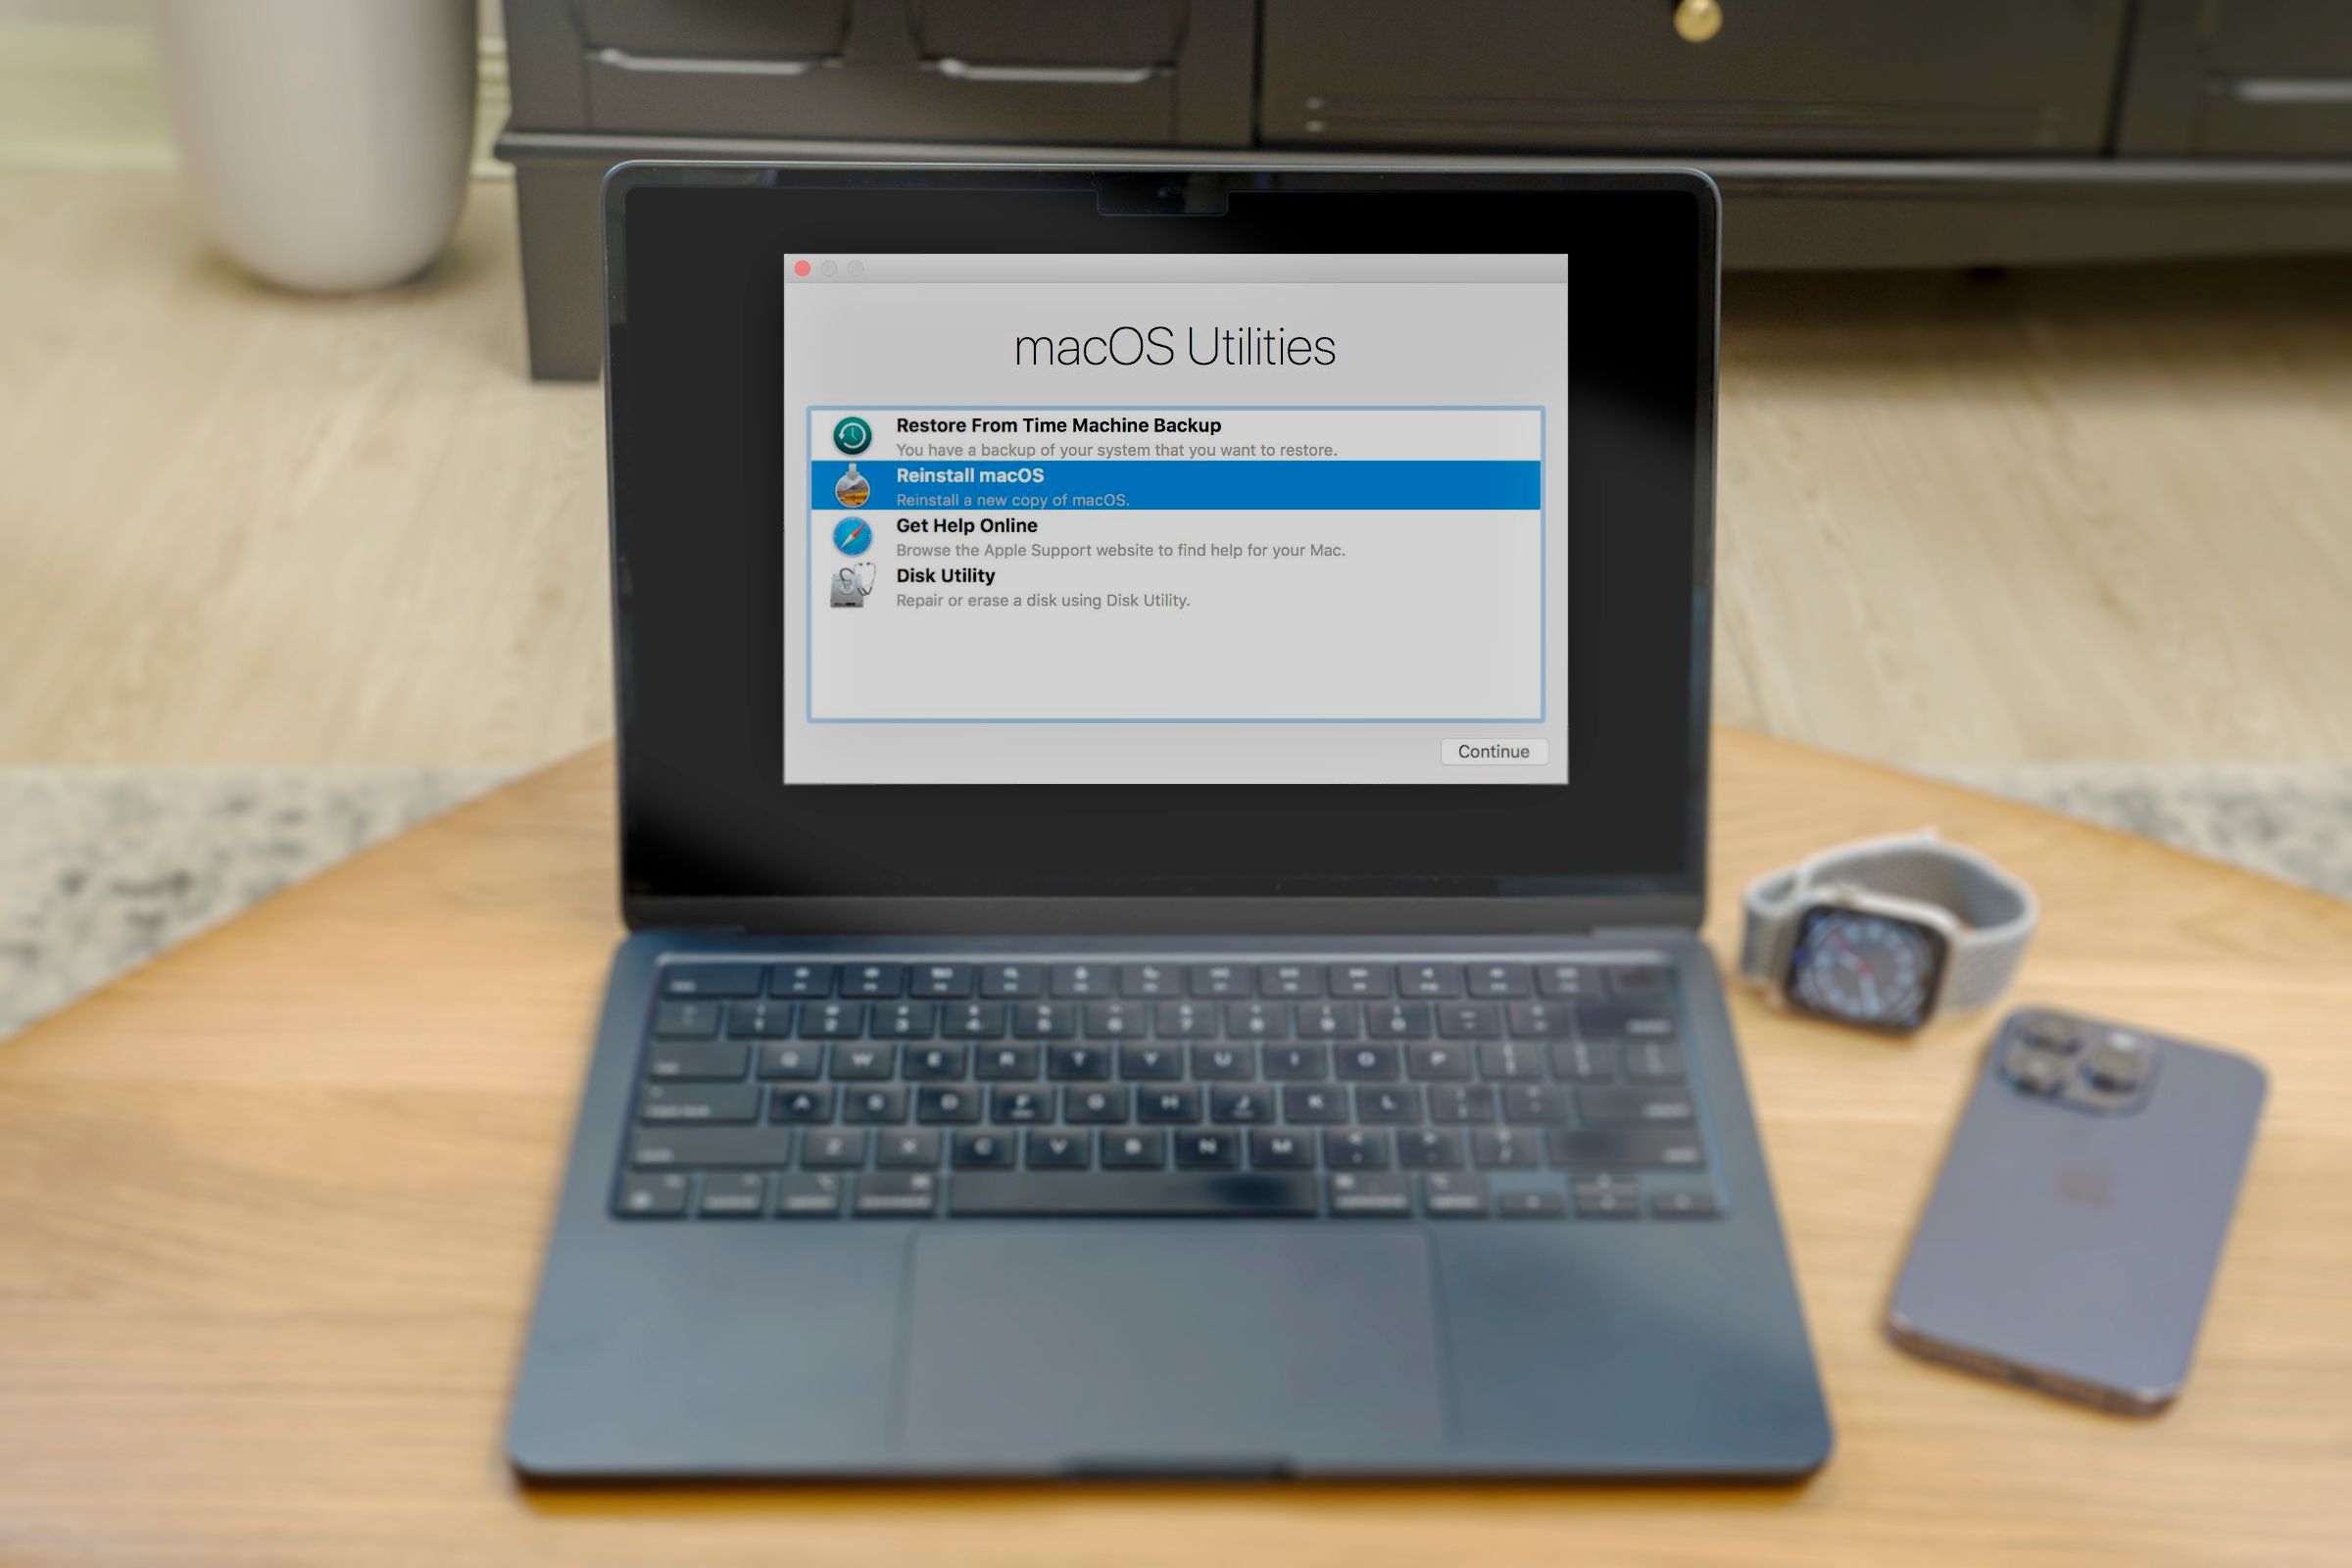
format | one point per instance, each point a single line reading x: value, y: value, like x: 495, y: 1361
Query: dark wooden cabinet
x: 1843, y: 133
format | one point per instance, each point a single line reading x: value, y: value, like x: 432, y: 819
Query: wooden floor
x: 2071, y: 516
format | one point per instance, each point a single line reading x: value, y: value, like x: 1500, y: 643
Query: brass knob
x: 1697, y: 20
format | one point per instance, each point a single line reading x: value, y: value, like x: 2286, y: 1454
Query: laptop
x: 1164, y: 760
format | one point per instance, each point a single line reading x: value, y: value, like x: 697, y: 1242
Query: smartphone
x: 2072, y: 1240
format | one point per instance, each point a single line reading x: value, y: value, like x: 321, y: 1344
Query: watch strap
x: 1996, y: 910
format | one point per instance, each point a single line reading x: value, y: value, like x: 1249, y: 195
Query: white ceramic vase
x: 327, y: 142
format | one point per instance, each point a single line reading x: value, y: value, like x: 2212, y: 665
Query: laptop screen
x: 1084, y: 519
x: 1184, y: 544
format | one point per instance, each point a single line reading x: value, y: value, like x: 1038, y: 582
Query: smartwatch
x: 1887, y: 933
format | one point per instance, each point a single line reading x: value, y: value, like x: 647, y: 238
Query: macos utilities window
x: 1175, y: 519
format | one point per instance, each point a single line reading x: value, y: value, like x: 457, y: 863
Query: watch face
x: 1870, y: 969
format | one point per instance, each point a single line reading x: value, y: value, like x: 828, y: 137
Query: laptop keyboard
x: 1446, y: 1090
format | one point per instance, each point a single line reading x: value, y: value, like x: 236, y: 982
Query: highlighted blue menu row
x: 1187, y: 485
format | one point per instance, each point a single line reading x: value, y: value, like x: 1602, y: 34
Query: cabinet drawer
x: 1613, y: 76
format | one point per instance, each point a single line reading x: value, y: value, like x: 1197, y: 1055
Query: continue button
x: 1533, y: 751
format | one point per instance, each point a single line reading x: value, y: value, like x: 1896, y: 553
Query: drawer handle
x: 1697, y: 20
x: 1088, y: 75
x: 714, y: 65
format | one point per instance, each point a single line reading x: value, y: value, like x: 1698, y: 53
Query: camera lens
x: 2117, y: 1063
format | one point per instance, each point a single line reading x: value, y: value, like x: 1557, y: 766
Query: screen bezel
x: 654, y: 893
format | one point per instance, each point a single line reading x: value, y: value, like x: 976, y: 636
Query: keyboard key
x: 1151, y: 1064
x: 1362, y: 1193
x: 834, y: 1149
x: 685, y: 1147
x: 908, y: 1150
x: 933, y: 1064
x: 1653, y: 1061
x: 1117, y: 1020
x: 832, y: 1020
x: 1684, y: 1205
x: 934, y: 1103
x: 1168, y: 1104
x: 1469, y: 1020
x: 1534, y: 1103
x: 1429, y: 980
x: 811, y: 1105
x: 1017, y: 1105
x: 1364, y: 981
x: 905, y: 1020
x: 898, y: 1193
x: 1461, y: 1102
x: 1449, y: 1195
x: 871, y: 979
x: 1185, y: 1020
x: 1507, y: 1061
x: 1044, y: 1021
x: 697, y: 1061
x: 1642, y: 1107
x: 687, y: 1020
x: 1604, y: 1146
x: 733, y: 1194
x: 1604, y: 1199
x: 999, y: 1062
x: 1280, y: 1148
x: 1388, y: 1102
x: 1366, y: 1061
x: 759, y: 1021
x: 1293, y: 1063
x: 972, y: 1021
x: 1135, y: 1148
x: 1356, y: 1148
x: 1012, y: 981
x: 1502, y: 1148
x: 1290, y: 980
x: 806, y: 1195
x: 1131, y: 1194
x: 1598, y: 1020
x: 784, y: 1058
x: 1428, y: 1062
x: 940, y: 980
x: 982, y: 1149
x: 1200, y: 1149
x: 1581, y: 1061
x: 1151, y: 980
x: 710, y: 980
x: 1310, y: 1102
x: 1223, y: 1064
x: 1081, y: 980
x: 1499, y: 980
x: 1089, y: 1105
x: 884, y: 1102
x: 1078, y: 1061
x: 1329, y: 1020
x: 1533, y: 1202
x: 1218, y: 980
x: 1542, y: 1019
x: 863, y: 1062
x: 1240, y: 1103
x: 658, y: 1196
x: 1636, y: 981
x: 1565, y: 979
x: 1429, y: 1147
x: 1257, y: 1021
x: 1058, y: 1148
x: 699, y: 1102
x: 800, y: 979
x: 1397, y: 1020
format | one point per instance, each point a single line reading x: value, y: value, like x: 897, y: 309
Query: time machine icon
x: 853, y: 436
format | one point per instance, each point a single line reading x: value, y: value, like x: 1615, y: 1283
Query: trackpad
x: 1113, y: 1346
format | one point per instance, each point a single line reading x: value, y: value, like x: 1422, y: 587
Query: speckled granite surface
x: 102, y: 869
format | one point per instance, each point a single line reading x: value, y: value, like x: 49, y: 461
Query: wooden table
x: 271, y: 1213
